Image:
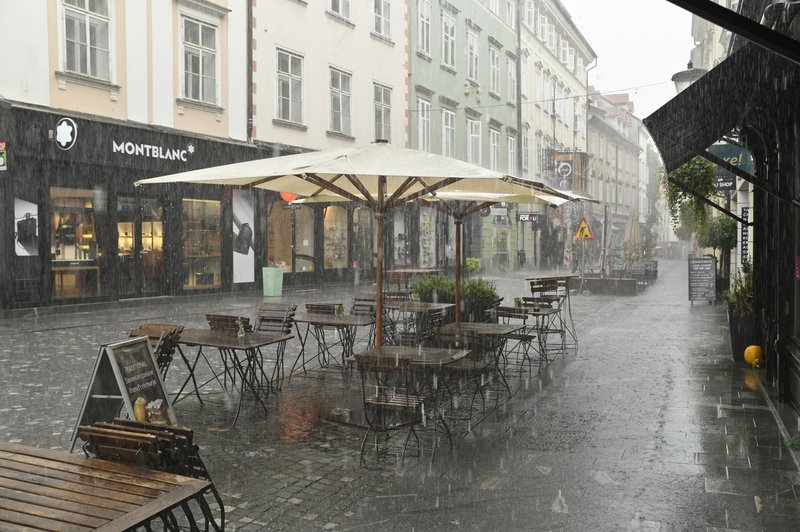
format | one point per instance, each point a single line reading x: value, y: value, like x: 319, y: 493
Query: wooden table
x: 427, y: 357
x: 567, y: 324
x: 493, y: 335
x: 242, y: 358
x: 42, y: 489
x: 345, y: 325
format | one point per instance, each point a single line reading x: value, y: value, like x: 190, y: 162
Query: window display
x: 73, y: 244
x: 427, y: 237
x: 402, y: 243
x: 202, y: 244
x: 362, y: 237
x: 279, y: 236
x: 335, y: 224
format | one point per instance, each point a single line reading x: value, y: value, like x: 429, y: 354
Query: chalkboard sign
x: 126, y: 376
x: 702, y: 279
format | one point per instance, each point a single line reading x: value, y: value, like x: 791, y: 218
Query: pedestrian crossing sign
x: 584, y: 232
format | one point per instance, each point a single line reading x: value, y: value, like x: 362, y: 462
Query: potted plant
x: 741, y: 314
x: 517, y: 301
x: 477, y: 296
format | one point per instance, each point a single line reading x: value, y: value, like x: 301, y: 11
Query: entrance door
x: 140, y: 247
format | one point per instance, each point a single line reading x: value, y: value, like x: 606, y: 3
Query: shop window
x: 279, y: 236
x: 362, y: 237
x: 73, y: 244
x: 402, y: 241
x: 202, y: 244
x: 335, y: 224
x: 427, y: 237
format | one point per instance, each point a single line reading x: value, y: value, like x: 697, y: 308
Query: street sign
x: 584, y: 232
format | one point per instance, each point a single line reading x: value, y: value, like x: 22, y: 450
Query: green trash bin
x: 273, y: 280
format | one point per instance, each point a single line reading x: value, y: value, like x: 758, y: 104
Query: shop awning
x: 710, y: 108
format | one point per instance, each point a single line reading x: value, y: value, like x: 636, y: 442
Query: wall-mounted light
x: 684, y: 78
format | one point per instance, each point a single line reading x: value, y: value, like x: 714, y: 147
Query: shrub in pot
x: 741, y: 315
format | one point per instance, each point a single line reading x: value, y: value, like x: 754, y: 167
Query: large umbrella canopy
x: 379, y: 175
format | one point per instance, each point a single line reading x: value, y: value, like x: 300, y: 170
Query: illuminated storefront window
x: 335, y: 225
x: 202, y: 244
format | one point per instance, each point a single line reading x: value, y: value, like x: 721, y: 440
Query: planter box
x: 743, y: 333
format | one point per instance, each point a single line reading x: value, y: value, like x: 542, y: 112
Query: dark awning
x: 710, y: 108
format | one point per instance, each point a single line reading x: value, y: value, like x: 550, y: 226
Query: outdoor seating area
x: 631, y: 280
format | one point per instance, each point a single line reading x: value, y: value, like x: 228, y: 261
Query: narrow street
x: 650, y: 426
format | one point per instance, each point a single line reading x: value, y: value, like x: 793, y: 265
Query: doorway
x: 140, y: 247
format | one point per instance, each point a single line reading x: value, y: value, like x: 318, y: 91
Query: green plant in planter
x: 473, y: 264
x: 740, y: 295
x: 517, y: 301
x: 434, y: 288
x: 793, y: 442
x: 477, y: 296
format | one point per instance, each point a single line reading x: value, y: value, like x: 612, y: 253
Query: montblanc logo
x: 151, y: 150
x: 66, y: 133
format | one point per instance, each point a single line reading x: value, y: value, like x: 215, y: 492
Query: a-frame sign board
x: 123, y: 372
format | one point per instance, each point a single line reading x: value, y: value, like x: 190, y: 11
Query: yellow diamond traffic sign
x: 584, y: 232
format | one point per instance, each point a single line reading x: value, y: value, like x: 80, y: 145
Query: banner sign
x: 745, y: 234
x: 735, y: 156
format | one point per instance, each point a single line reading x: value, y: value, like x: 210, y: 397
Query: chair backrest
x: 321, y: 308
x: 363, y: 306
x: 275, y: 318
x: 226, y: 322
x: 163, y: 338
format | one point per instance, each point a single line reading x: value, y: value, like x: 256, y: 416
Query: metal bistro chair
x: 276, y: 319
x: 391, y: 402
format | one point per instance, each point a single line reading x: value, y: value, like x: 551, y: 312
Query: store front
x: 76, y: 230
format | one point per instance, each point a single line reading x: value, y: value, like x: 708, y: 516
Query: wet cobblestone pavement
x: 649, y: 426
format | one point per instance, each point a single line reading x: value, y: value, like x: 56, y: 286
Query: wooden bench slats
x: 62, y: 481
x: 32, y: 522
x: 72, y: 518
x: 113, y: 473
x: 73, y: 507
x: 69, y: 497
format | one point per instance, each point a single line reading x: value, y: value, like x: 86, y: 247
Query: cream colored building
x: 329, y: 73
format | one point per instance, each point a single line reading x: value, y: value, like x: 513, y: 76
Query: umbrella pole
x: 380, y: 214
x: 458, y: 221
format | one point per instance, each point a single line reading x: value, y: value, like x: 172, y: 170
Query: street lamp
x: 684, y: 78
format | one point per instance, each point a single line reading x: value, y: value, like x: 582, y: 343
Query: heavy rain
x: 400, y: 265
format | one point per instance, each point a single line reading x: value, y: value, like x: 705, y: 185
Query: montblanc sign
x: 152, y: 151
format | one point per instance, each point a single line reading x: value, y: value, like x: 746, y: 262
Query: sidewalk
x: 651, y: 426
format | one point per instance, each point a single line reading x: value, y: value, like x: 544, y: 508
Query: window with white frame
x: 538, y: 86
x: 382, y: 25
x: 494, y: 70
x: 511, y: 12
x: 424, y: 26
x: 448, y: 40
x: 87, y: 47
x: 541, y: 27
x: 289, y: 93
x: 530, y: 13
x: 494, y: 5
x: 340, y: 102
x: 341, y: 8
x: 551, y: 37
x: 474, y: 141
x: 424, y: 131
x: 494, y: 149
x: 199, y: 61
x: 537, y: 151
x: 552, y: 103
x: 472, y: 55
x: 511, y: 65
x: 512, y: 155
x: 524, y: 69
x: 525, y: 152
x: 563, y: 46
x: 558, y: 102
x: 448, y: 133
x: 382, y: 105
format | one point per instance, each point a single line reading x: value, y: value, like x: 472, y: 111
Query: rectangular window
x: 524, y: 69
x: 472, y: 55
x: 511, y: 12
x: 340, y: 102
x: 538, y: 87
x: 448, y: 40
x: 541, y: 27
x: 74, y: 244
x: 383, y: 112
x: 512, y: 155
x: 525, y: 153
x: 199, y: 61
x: 87, y: 48
x: 530, y: 13
x: 289, y: 92
x: 448, y: 133
x: 424, y: 26
x: 341, y: 8
x: 494, y: 5
x: 562, y: 50
x: 473, y: 141
x: 512, y: 79
x: 551, y: 37
x: 494, y: 70
x: 424, y: 132
x: 571, y: 59
x: 494, y: 149
x: 202, y: 243
x: 382, y: 24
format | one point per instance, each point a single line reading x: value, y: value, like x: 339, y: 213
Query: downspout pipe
x: 249, y: 34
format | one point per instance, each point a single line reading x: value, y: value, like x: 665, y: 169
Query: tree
x: 719, y: 233
x: 697, y: 175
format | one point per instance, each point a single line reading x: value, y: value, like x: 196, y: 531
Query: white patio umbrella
x: 378, y: 175
x: 634, y: 249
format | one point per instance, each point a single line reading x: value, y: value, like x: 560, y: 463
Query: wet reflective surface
x: 650, y: 426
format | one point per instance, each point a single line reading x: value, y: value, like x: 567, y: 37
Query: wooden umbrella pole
x: 458, y: 221
x: 380, y: 214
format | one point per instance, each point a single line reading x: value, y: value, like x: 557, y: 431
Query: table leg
x: 302, y: 354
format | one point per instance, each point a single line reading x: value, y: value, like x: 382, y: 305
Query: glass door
x: 140, y: 243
